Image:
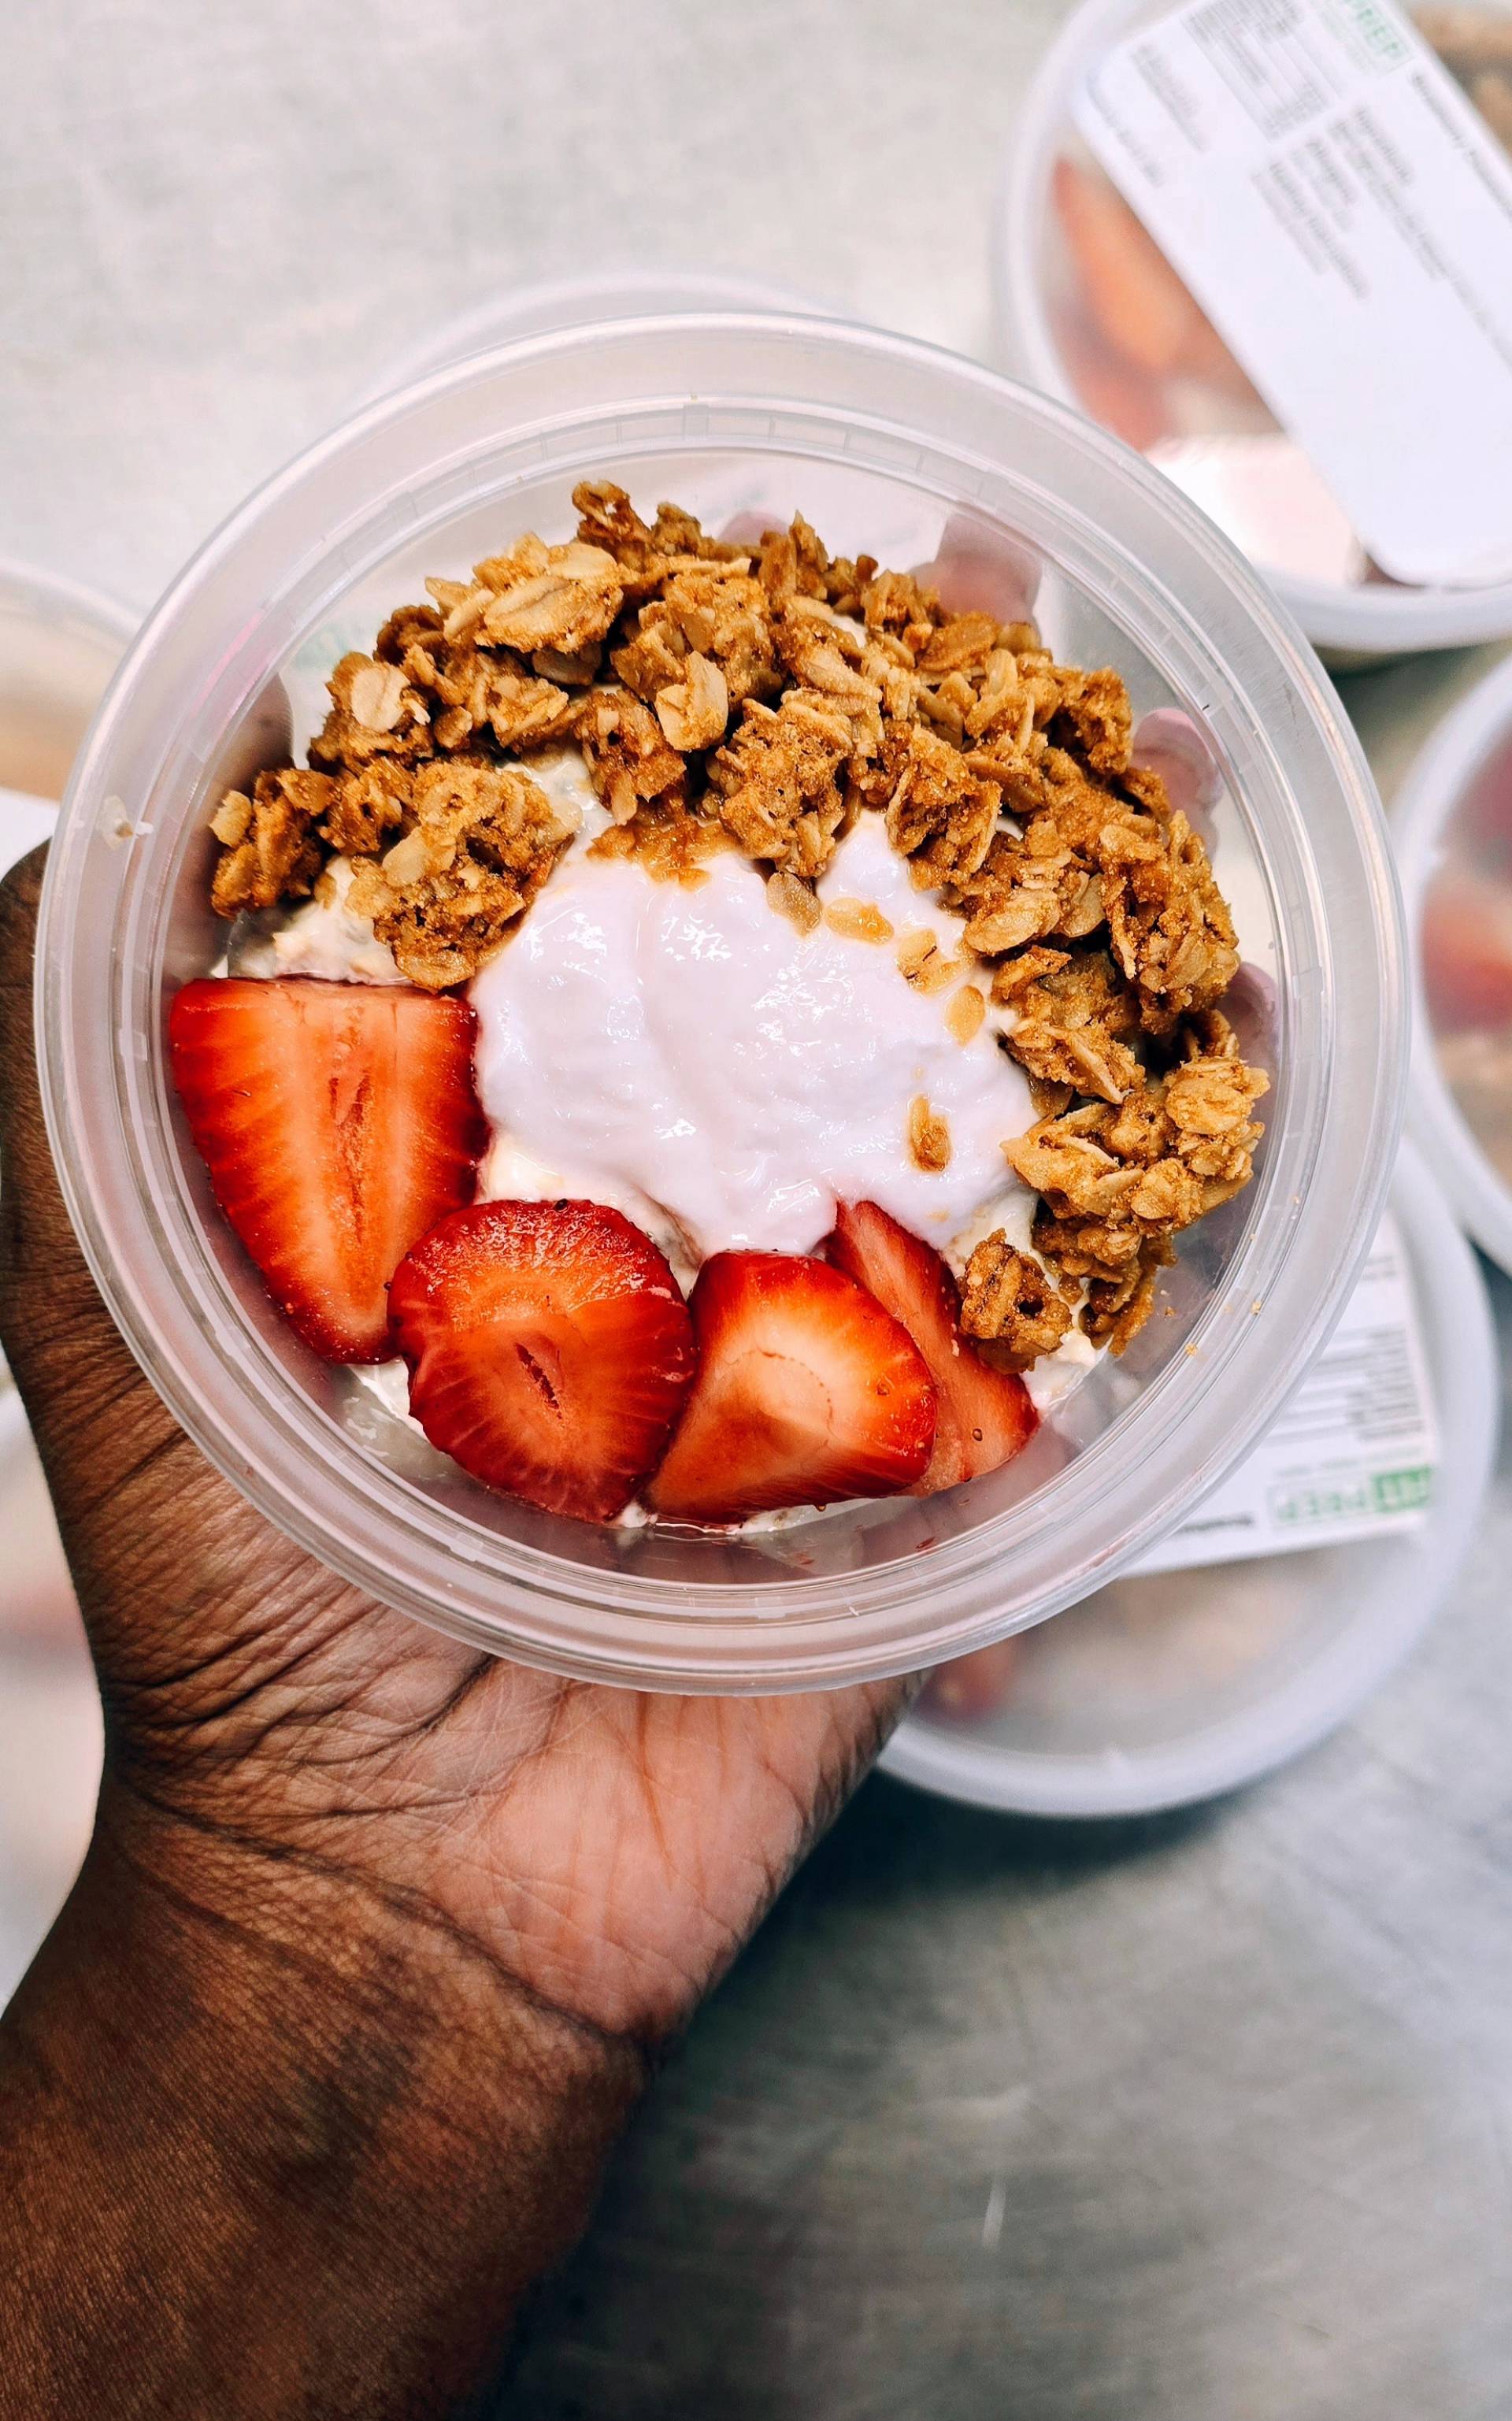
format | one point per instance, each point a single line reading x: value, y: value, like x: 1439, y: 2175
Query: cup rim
x: 548, y: 305
x: 57, y: 596
x: 684, y: 1635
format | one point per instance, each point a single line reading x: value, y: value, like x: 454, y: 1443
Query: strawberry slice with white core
x: 985, y: 1415
x: 807, y: 1391
x: 550, y: 1351
x: 338, y: 1122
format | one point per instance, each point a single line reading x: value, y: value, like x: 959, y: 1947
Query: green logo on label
x: 1361, y: 1500
x: 1402, y: 1492
x: 1379, y: 34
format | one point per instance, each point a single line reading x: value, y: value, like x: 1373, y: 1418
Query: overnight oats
x: 711, y: 1031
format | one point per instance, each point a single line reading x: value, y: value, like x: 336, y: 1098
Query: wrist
x: 323, y: 2136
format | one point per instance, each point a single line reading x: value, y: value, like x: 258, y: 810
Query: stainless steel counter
x: 1203, y: 2118
x: 1199, y: 2120
x: 1206, y: 2118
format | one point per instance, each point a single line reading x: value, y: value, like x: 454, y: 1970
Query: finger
x: 980, y: 568
x: 1171, y: 743
x: 971, y: 1687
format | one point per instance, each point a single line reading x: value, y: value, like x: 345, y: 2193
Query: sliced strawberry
x: 985, y: 1415
x: 338, y: 1122
x: 806, y: 1391
x: 549, y: 1348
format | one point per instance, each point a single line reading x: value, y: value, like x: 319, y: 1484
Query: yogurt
x: 690, y: 1049
x: 686, y: 1055
x: 320, y: 938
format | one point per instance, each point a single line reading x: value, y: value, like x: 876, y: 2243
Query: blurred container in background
x: 1453, y: 830
x: 1171, y: 1686
x: 58, y: 647
x: 1090, y: 309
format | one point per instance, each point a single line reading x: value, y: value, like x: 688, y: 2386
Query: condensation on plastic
x: 1453, y: 808
x: 885, y: 445
x: 1170, y: 1688
x: 1351, y: 622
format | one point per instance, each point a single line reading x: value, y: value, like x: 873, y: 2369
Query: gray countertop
x: 1202, y: 2119
x: 1199, y: 2118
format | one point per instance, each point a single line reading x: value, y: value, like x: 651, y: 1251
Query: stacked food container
x: 1182, y: 1678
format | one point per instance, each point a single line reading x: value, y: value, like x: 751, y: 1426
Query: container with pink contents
x: 1273, y: 249
x: 740, y: 1115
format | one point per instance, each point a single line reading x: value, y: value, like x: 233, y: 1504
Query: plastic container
x: 882, y: 443
x: 547, y: 304
x: 1451, y: 823
x: 59, y: 644
x: 1172, y: 1687
x: 1352, y: 617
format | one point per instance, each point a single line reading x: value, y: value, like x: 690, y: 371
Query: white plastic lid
x: 880, y: 441
x: 1350, y: 619
x: 1167, y: 1688
x: 1452, y: 828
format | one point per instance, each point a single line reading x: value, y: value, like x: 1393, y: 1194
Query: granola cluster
x: 1118, y: 1179
x: 762, y: 697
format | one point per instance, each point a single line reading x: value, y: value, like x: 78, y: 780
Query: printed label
x: 1344, y: 216
x: 1351, y: 1454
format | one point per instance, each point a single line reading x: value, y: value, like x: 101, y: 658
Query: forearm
x: 268, y: 2147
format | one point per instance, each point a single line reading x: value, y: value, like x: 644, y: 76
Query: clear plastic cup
x: 885, y: 445
x: 536, y: 307
x: 1251, y: 475
x: 59, y: 644
x: 1452, y: 823
x: 1169, y: 1687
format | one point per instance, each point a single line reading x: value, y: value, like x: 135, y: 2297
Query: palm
x: 609, y: 1848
